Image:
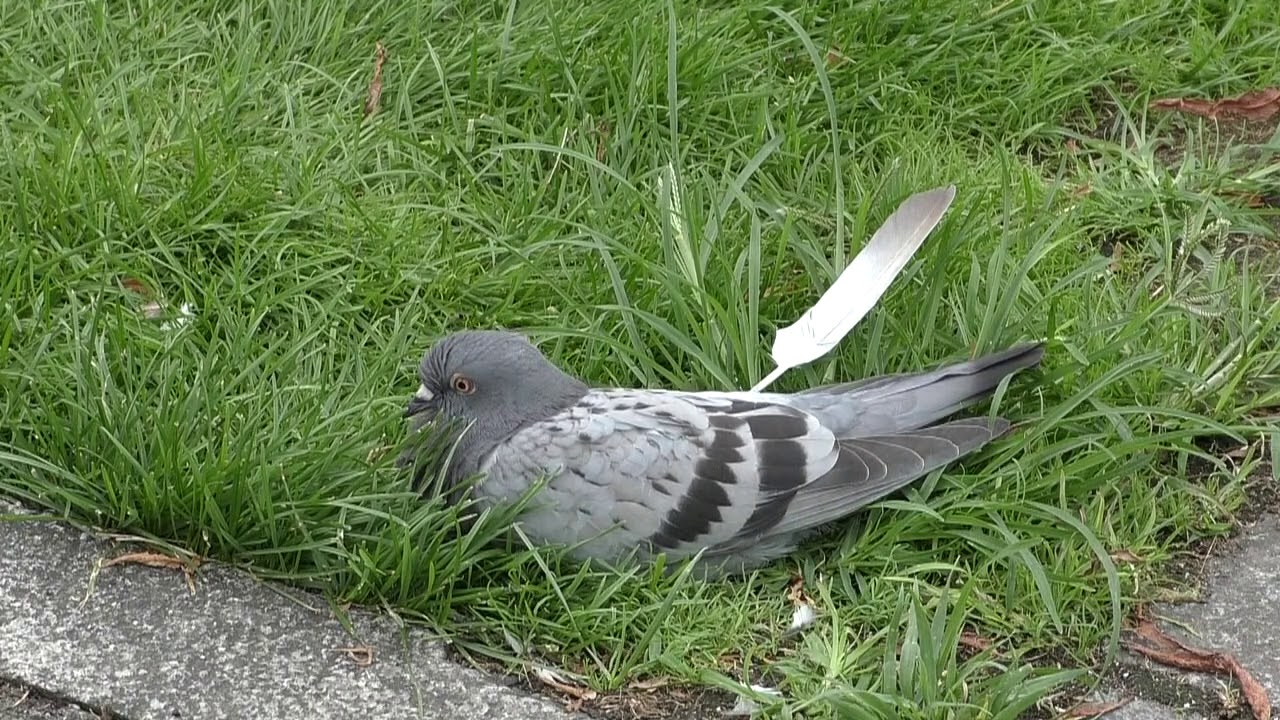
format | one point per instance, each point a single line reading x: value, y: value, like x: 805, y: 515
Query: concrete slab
x: 1240, y: 614
x: 139, y: 644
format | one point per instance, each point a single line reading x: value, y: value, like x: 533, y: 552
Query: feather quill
x: 856, y: 291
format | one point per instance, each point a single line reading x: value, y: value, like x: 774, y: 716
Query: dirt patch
x: 1248, y: 136
x: 1244, y: 143
x: 677, y: 703
x: 641, y: 701
x: 1164, y: 688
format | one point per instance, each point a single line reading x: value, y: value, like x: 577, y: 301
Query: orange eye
x: 463, y: 384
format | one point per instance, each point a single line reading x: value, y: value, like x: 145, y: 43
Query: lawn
x: 648, y: 191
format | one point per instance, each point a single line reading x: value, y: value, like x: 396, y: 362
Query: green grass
x: 521, y: 173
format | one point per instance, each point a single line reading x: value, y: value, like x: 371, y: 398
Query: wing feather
x: 732, y: 473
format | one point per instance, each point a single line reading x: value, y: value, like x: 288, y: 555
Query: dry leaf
x: 151, y: 309
x: 555, y: 680
x: 974, y: 641
x: 374, y: 100
x: 1122, y: 555
x: 135, y: 285
x: 361, y: 655
x: 649, y: 685
x: 1080, y: 191
x: 150, y: 559
x: 1254, y: 105
x: 1168, y: 651
x: 730, y: 663
x: 1085, y: 711
x: 602, y: 141
x: 803, y: 613
x: 835, y: 56
x: 159, y: 560
x: 1248, y: 199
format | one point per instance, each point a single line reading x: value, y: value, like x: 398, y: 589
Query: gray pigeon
x: 743, y: 475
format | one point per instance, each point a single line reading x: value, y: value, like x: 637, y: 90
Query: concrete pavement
x: 137, y: 643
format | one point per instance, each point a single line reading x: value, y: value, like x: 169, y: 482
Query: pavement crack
x: 16, y: 694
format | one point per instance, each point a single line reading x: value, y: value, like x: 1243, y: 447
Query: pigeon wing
x: 674, y: 472
x: 659, y: 471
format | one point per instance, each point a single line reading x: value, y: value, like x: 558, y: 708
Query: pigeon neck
x: 543, y: 396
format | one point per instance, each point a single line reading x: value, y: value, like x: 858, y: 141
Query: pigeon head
x: 486, y: 385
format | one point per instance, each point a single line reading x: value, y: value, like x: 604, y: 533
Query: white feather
x: 856, y: 291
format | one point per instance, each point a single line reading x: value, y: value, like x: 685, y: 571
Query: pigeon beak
x: 421, y: 402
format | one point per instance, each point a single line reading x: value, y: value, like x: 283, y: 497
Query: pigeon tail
x: 896, y: 403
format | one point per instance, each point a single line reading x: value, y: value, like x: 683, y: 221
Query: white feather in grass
x: 856, y: 291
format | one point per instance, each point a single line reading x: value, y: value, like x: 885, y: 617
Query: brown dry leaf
x: 151, y: 309
x: 974, y: 641
x: 1073, y: 147
x: 803, y: 613
x: 730, y: 663
x: 1128, y: 557
x: 150, y: 559
x: 555, y: 680
x: 1249, y: 200
x: 1168, y: 651
x: 135, y: 285
x: 374, y: 100
x: 1253, y: 105
x: 361, y: 655
x: 835, y: 56
x: 1080, y: 191
x: 795, y: 591
x: 159, y: 560
x: 1086, y: 711
x: 602, y: 141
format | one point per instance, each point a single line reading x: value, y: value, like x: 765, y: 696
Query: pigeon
x: 741, y: 477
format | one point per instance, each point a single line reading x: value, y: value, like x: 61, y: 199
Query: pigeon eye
x: 463, y: 384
